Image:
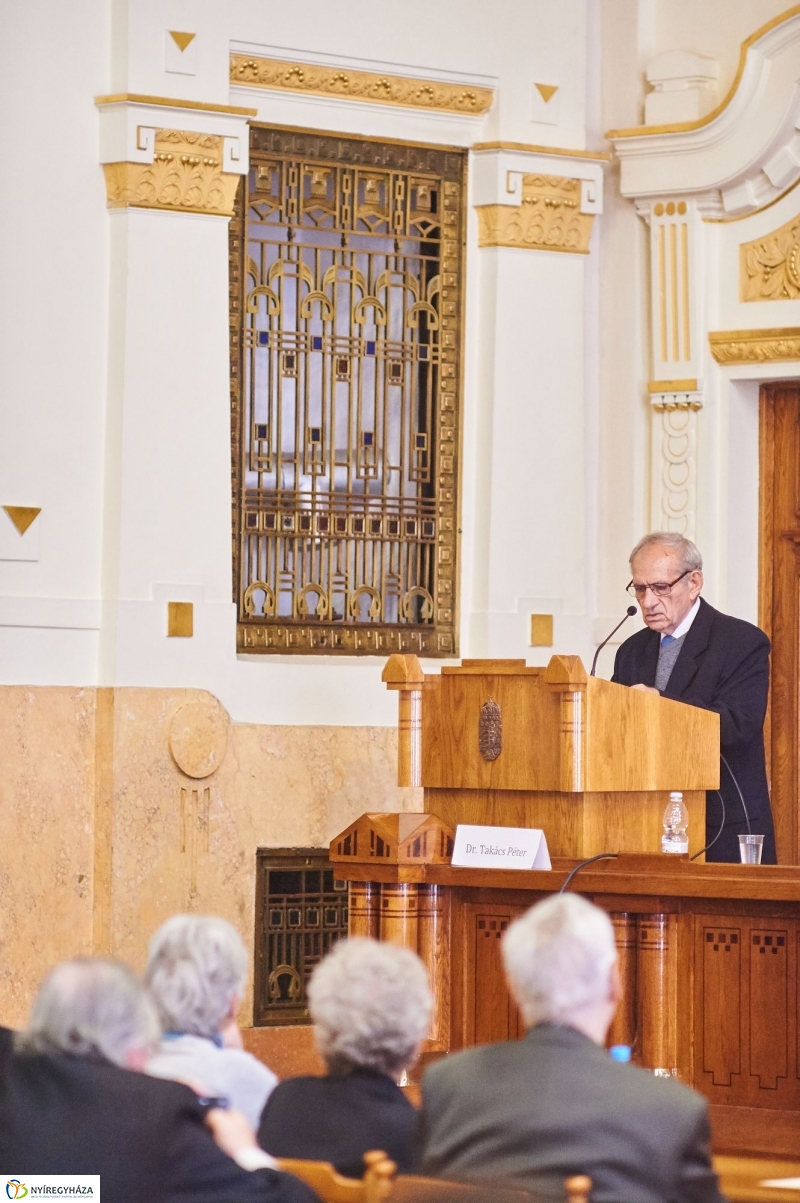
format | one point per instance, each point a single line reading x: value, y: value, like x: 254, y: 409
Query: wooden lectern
x: 590, y: 762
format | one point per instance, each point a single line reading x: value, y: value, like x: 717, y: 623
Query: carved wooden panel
x: 746, y: 982
x: 721, y: 974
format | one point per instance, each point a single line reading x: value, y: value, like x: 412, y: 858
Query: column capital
x: 182, y: 156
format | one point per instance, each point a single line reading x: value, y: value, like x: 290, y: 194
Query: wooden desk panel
x: 709, y: 962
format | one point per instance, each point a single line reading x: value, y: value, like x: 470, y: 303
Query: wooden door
x: 779, y: 602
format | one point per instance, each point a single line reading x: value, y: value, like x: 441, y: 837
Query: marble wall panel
x: 111, y: 836
x: 47, y: 758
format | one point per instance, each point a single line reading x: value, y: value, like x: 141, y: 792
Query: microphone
x: 629, y: 613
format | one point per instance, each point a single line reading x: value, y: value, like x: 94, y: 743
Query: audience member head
x: 90, y: 1007
x: 560, y: 959
x: 371, y: 1006
x: 196, y: 973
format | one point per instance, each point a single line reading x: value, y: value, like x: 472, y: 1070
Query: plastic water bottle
x: 620, y: 1052
x: 676, y: 820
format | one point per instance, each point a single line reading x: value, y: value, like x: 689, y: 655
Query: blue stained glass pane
x: 261, y: 432
x: 263, y: 338
x: 367, y: 438
x: 421, y: 442
x: 370, y: 348
x: 316, y: 343
x: 315, y: 434
x: 423, y: 352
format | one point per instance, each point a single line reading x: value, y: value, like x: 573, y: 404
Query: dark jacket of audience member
x: 555, y: 1104
x: 6, y: 1039
x: 145, y: 1138
x: 339, y: 1119
x: 371, y: 1006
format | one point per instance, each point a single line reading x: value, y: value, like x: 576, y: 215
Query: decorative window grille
x: 346, y: 292
x: 301, y: 911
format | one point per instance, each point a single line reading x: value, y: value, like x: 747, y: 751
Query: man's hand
x: 647, y: 689
x: 231, y: 1131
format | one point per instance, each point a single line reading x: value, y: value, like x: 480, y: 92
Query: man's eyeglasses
x: 658, y: 589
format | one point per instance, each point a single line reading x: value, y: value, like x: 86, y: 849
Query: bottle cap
x: 620, y: 1052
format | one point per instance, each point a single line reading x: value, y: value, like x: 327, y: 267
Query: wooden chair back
x: 380, y: 1185
x: 332, y: 1187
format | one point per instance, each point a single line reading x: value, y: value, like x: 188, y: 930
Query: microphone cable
x: 739, y: 792
x: 582, y: 865
x: 711, y: 843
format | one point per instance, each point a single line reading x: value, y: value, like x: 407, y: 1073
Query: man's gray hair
x: 91, y: 1007
x: 558, y: 957
x: 689, y: 557
x: 371, y: 1006
x: 196, y: 967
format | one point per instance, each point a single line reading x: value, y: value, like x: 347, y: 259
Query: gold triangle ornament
x: 22, y: 515
x: 546, y: 91
x: 182, y: 40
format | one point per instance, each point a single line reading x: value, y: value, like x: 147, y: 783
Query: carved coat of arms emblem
x: 490, y: 731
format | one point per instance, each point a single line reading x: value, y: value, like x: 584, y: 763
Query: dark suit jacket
x: 6, y: 1039
x: 723, y: 666
x: 145, y: 1137
x: 537, y: 1110
x: 339, y: 1119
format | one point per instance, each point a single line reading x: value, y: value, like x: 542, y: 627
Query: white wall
x: 53, y: 336
x: 113, y: 377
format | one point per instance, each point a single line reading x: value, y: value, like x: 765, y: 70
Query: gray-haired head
x: 685, y: 550
x: 371, y: 1006
x: 558, y: 958
x: 196, y: 971
x: 90, y: 1007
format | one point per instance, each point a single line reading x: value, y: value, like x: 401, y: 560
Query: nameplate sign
x: 500, y: 848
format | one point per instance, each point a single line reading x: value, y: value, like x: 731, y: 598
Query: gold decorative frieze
x: 756, y: 346
x: 311, y: 79
x: 185, y: 175
x: 769, y: 268
x: 548, y: 219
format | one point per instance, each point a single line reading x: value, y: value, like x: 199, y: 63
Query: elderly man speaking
x: 694, y: 654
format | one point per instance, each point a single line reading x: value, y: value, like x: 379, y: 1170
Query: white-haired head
x: 686, y: 552
x: 558, y: 958
x: 90, y: 1007
x: 196, y: 973
x: 371, y: 1006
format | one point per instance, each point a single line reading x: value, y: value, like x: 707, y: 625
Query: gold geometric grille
x: 346, y: 297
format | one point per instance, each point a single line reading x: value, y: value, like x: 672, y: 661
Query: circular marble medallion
x: 198, y: 737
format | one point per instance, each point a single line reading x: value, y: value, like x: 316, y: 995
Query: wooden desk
x: 740, y: 1178
x: 708, y: 959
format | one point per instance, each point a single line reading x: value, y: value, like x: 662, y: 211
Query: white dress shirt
x: 683, y: 627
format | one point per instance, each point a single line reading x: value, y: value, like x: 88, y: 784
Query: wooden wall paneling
x: 623, y: 1026
x: 434, y: 950
x: 399, y: 922
x: 364, y: 909
x: 657, y: 972
x: 719, y: 946
x: 780, y: 612
x: 768, y: 1010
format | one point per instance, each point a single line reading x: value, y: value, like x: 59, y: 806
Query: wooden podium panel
x: 562, y: 731
x: 578, y: 825
x: 498, y: 743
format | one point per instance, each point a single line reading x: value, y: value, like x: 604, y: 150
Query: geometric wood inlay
x: 496, y: 1016
x: 721, y: 1004
x: 769, y: 1005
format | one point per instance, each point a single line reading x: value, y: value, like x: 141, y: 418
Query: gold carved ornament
x: 369, y: 86
x: 548, y: 219
x: 769, y: 268
x: 186, y: 175
x: 756, y: 346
